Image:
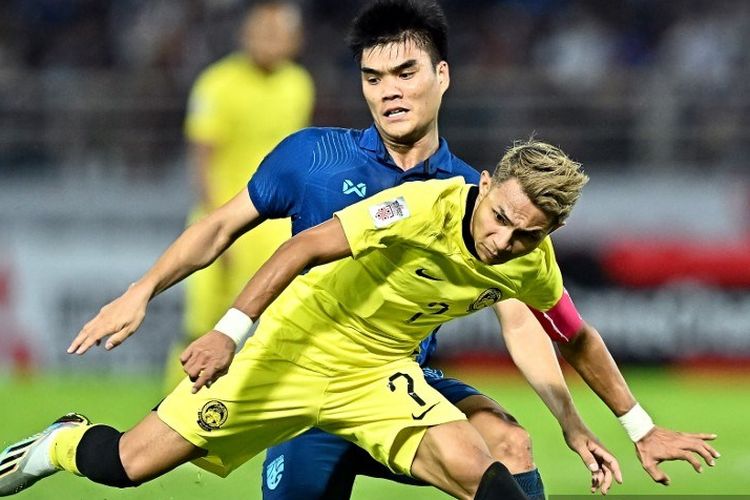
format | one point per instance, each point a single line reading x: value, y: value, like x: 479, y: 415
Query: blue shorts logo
x: 432, y: 373
x: 349, y: 187
x: 274, y: 472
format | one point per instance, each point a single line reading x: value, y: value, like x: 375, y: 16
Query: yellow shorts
x: 265, y: 399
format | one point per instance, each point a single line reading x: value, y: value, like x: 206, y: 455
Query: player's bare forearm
x: 209, y: 357
x: 533, y: 354
x: 318, y: 245
x: 590, y: 357
x: 197, y: 246
x: 182, y: 258
x: 201, y: 243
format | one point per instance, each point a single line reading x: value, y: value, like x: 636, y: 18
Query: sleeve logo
x: 385, y: 214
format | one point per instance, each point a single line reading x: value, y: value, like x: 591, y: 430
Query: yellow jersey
x: 244, y: 113
x: 411, y: 271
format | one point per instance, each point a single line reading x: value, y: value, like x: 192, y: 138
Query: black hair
x: 387, y: 21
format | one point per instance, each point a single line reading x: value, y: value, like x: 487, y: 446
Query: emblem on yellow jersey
x: 486, y: 299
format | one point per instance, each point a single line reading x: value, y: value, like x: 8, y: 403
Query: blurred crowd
x: 628, y: 83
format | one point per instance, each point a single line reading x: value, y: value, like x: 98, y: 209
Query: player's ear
x: 443, y: 75
x: 485, y: 183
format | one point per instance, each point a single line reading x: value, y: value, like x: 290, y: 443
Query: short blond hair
x: 551, y: 180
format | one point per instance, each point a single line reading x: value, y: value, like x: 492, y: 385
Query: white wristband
x: 236, y: 325
x: 637, y: 423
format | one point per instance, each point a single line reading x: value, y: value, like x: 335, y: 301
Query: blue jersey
x: 317, y: 171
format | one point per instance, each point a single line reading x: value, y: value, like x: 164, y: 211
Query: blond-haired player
x: 335, y: 349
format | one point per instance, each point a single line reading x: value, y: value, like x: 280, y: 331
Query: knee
x: 511, y: 445
x: 452, y: 457
x: 148, y: 451
x: 467, y: 468
x: 507, y: 441
x: 465, y: 471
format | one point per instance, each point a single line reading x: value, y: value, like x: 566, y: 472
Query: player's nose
x: 390, y: 89
x: 503, y: 239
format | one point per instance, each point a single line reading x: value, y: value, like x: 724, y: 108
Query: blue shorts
x: 317, y: 465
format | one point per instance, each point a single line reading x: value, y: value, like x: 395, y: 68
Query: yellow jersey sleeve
x: 543, y: 290
x: 413, y: 212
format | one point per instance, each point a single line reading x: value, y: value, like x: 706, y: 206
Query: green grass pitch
x: 696, y: 402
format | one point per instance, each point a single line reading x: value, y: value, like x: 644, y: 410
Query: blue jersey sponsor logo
x: 274, y: 472
x: 359, y: 189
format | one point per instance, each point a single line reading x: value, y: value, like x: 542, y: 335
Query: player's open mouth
x: 395, y: 112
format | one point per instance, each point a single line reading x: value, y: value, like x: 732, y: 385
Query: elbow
x: 315, y: 246
x: 221, y: 237
x: 576, y: 344
x: 584, y: 345
x: 297, y: 253
x: 213, y: 237
x: 221, y: 242
x: 310, y: 248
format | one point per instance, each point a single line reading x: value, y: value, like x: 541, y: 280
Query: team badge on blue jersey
x: 486, y: 299
x: 274, y: 472
x: 358, y: 189
x: 212, y: 415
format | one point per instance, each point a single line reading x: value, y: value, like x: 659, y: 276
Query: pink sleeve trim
x: 562, y: 321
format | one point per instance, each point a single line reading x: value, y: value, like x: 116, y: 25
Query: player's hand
x: 602, y: 465
x: 207, y: 358
x: 661, y: 445
x: 118, y: 320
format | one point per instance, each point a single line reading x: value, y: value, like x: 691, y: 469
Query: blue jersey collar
x: 370, y: 140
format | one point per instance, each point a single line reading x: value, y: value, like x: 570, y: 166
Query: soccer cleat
x: 27, y: 461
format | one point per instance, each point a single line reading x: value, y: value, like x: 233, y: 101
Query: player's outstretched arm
x: 588, y: 354
x: 209, y: 357
x: 533, y: 353
x: 198, y: 246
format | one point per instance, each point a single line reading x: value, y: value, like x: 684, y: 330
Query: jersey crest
x: 486, y: 299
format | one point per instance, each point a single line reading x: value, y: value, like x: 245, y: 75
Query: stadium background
x: 651, y: 96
